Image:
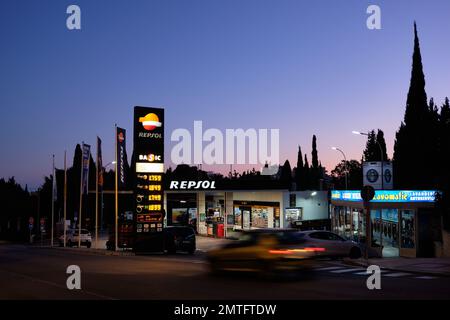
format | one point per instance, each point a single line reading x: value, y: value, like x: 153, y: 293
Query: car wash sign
x: 149, y: 155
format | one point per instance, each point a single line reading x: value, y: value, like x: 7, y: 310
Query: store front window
x: 255, y: 215
x: 385, y: 231
x: 407, y: 231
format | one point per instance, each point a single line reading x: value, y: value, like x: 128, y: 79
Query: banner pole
x: 116, y: 199
x: 65, y: 196
x: 53, y: 200
x: 81, y: 197
x: 96, y: 198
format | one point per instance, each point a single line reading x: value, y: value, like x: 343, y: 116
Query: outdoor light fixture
x: 313, y: 194
x: 360, y: 133
x: 345, y: 161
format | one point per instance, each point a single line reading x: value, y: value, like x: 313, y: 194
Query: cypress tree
x: 372, y: 149
x: 300, y: 170
x: 415, y: 139
x: 315, y: 158
x: 382, y: 142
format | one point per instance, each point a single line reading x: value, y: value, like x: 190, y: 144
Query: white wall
x: 314, y: 207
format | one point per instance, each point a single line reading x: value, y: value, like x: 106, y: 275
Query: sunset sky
x: 304, y: 67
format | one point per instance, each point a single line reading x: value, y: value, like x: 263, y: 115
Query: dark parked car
x: 178, y: 238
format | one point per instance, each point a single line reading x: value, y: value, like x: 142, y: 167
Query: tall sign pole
x: 149, y: 188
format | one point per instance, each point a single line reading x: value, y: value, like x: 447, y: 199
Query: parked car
x: 334, y: 245
x: 72, y: 238
x: 179, y: 238
x: 265, y: 251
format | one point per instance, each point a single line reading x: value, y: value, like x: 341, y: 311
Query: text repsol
x: 185, y: 185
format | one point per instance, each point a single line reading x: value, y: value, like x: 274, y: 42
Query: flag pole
x: 65, y: 197
x: 116, y: 217
x: 96, y: 200
x: 81, y: 197
x: 53, y: 200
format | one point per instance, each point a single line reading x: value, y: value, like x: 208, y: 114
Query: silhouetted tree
x: 286, y: 174
x: 415, y: 140
x: 354, y: 175
x: 372, y: 148
x: 315, y: 158
x: 300, y: 178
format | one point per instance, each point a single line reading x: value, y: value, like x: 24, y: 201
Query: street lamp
x: 345, y: 165
x: 382, y: 158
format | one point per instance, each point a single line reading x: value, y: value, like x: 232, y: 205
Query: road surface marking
x: 397, y: 274
x: 328, y: 268
x: 55, y: 284
x: 347, y: 270
x: 426, y: 277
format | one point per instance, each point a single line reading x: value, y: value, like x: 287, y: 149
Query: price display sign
x: 149, y: 153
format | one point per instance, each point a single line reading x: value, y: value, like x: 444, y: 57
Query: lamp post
x: 381, y: 153
x: 345, y: 165
x: 101, y: 211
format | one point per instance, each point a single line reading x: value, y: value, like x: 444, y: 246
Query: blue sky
x: 305, y: 67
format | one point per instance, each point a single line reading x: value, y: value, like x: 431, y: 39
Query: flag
x: 86, y: 154
x: 99, y: 164
x: 121, y: 154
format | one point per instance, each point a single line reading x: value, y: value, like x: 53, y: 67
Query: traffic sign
x: 42, y: 221
x: 31, y: 220
x: 30, y: 226
x: 367, y: 193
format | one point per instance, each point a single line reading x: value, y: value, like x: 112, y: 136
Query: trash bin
x: 210, y: 230
x: 220, y: 230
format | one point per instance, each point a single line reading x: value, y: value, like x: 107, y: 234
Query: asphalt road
x: 39, y: 273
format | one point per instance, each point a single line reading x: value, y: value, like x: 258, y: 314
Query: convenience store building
x: 402, y: 221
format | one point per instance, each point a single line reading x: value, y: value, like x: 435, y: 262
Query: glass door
x: 408, y: 237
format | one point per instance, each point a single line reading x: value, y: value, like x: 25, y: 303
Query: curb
x: 94, y: 252
x: 427, y: 273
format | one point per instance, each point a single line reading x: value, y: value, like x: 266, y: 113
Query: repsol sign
x: 192, y: 185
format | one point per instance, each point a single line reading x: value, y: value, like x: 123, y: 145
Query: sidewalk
x: 204, y: 244
x: 428, y: 266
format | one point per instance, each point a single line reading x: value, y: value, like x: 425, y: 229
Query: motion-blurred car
x: 178, y: 238
x: 72, y: 238
x: 266, y: 251
x: 334, y: 245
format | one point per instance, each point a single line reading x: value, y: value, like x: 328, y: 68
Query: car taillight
x: 281, y: 251
x: 291, y: 251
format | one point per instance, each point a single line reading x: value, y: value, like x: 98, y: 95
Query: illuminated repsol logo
x: 150, y: 157
x: 189, y: 185
x: 150, y: 135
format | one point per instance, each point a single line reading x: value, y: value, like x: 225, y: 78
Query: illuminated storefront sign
x: 148, y: 188
x: 387, y: 196
x: 188, y: 185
